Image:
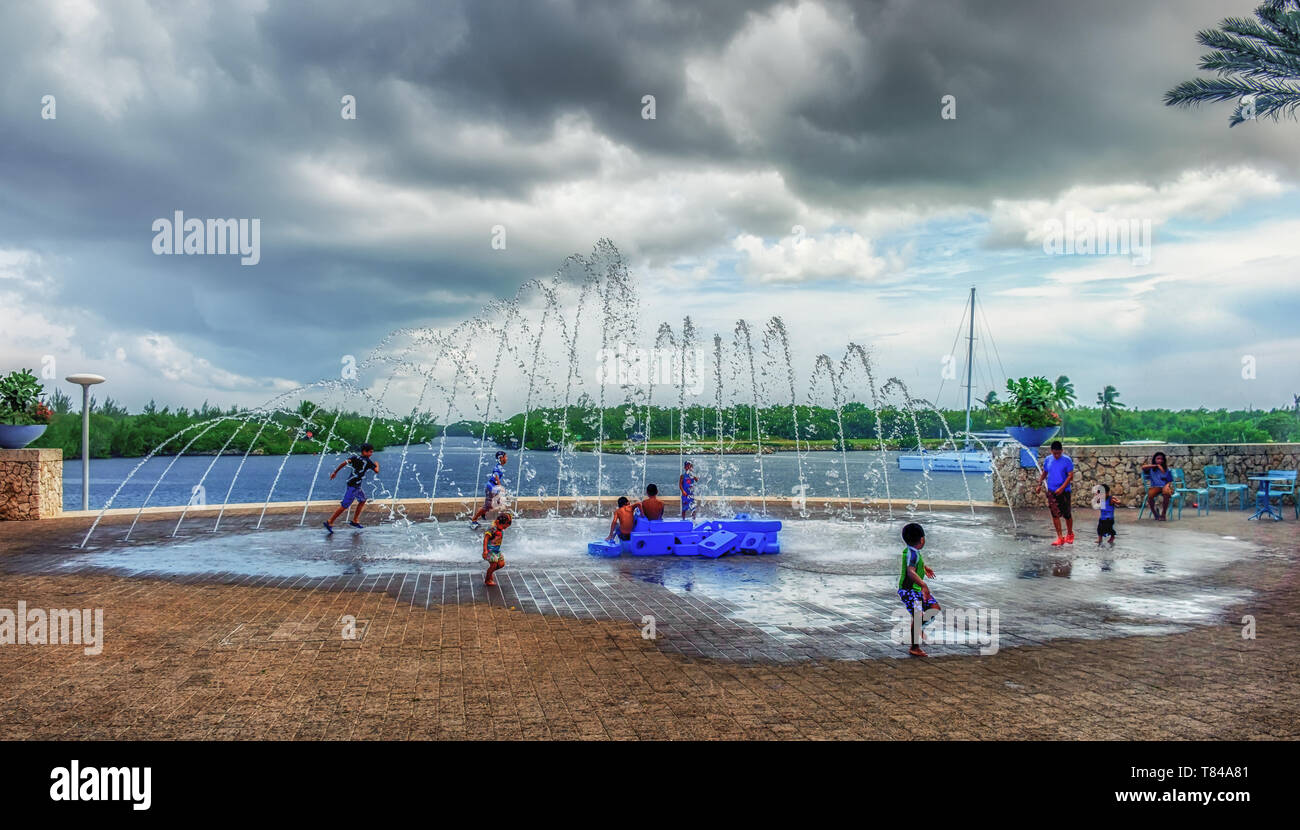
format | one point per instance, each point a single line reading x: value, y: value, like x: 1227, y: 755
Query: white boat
x: 974, y: 460
x: 947, y: 461
x: 970, y: 458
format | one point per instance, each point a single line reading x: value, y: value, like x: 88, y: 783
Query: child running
x: 1106, y: 522
x: 910, y: 580
x: 687, y: 486
x: 360, y: 464
x: 492, y: 539
x: 493, y: 491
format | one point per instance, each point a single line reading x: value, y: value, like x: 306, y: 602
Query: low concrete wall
x: 451, y: 509
x: 31, y: 484
x: 1120, y: 467
x: 31, y: 487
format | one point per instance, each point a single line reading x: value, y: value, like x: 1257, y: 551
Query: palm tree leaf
x: 1236, y: 55
x: 1257, y: 64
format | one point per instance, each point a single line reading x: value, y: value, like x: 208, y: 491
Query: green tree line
x: 116, y: 432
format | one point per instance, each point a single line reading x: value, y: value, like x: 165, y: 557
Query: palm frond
x: 1256, y: 62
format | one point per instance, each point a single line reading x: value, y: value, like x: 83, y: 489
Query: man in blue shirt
x: 1058, y: 470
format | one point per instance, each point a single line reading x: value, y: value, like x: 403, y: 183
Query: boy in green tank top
x: 912, y: 589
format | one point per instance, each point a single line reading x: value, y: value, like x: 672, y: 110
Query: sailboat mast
x: 970, y: 361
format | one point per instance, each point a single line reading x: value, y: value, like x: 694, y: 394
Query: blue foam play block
x: 718, y: 543
x: 750, y: 526
x: 603, y: 548
x: 651, y: 544
x: 687, y: 549
x: 753, y: 542
x: 667, y: 526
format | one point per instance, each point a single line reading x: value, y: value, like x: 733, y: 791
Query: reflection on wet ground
x: 830, y: 593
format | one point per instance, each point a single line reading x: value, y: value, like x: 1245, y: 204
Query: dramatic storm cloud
x: 529, y: 116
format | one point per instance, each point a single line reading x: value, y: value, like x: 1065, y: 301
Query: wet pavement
x: 829, y: 594
x: 265, y: 652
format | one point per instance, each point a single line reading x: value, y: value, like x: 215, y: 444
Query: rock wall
x: 1121, y: 468
x: 31, y: 484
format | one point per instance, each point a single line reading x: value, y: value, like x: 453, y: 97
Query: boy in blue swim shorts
x: 687, y: 486
x: 912, y: 589
x: 360, y: 464
x: 493, y: 489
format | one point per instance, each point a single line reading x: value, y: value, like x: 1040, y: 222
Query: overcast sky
x: 529, y: 115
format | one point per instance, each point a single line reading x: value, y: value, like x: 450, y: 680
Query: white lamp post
x: 85, y: 381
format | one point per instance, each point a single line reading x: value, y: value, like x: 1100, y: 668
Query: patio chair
x: 1146, y: 487
x: 1181, y: 490
x: 1277, y: 489
x: 1217, y: 481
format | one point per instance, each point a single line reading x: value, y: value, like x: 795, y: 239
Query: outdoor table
x: 1263, y: 505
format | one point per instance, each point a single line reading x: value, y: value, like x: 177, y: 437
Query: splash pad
x: 569, y: 378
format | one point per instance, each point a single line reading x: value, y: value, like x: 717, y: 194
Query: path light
x: 85, y: 381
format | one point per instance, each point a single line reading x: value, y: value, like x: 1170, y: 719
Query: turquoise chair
x: 1276, y: 490
x: 1217, y: 481
x: 1181, y: 490
x: 1146, y: 487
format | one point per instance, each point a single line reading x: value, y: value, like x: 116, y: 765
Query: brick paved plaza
x: 558, y: 652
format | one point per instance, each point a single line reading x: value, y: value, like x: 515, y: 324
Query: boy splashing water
x: 361, y: 464
x: 687, y: 485
x: 492, y: 539
x: 494, y: 489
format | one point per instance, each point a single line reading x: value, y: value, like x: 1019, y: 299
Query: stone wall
x: 1121, y: 468
x: 31, y: 484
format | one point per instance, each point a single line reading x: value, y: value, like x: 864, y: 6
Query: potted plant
x: 1028, y: 415
x: 23, y: 415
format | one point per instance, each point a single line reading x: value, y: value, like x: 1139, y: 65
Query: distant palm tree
x: 61, y: 403
x: 1108, y: 400
x: 991, y: 399
x: 1063, y: 398
x: 1256, y: 62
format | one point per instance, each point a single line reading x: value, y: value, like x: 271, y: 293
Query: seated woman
x: 1158, y: 475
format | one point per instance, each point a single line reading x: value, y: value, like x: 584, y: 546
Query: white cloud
x: 1196, y: 194
x: 163, y: 355
x: 802, y: 258
x: 37, y: 334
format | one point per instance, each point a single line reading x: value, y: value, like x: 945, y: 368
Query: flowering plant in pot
x: 1028, y: 414
x: 23, y: 415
